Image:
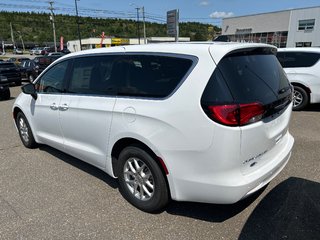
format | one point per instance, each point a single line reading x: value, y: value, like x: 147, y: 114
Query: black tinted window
x: 130, y: 75
x: 52, y: 81
x: 250, y: 78
x: 216, y: 91
x: 7, y: 65
x: 91, y: 75
x: 149, y: 76
x: 298, y: 59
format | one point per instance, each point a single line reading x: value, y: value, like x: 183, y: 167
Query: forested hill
x: 36, y: 28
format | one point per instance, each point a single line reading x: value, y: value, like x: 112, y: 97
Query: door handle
x: 64, y: 107
x: 53, y: 106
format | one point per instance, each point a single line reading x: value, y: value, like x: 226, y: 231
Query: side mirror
x: 30, y: 89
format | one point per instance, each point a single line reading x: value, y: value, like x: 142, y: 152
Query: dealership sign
x: 173, y: 23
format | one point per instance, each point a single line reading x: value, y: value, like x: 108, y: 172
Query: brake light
x: 237, y: 114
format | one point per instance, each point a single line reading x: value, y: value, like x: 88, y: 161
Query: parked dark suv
x: 9, y: 73
x: 28, y: 70
x: 41, y: 63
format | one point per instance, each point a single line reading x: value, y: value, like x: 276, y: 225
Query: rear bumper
x: 230, y: 187
x: 9, y: 79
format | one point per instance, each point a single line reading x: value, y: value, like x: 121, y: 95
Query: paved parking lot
x: 45, y: 194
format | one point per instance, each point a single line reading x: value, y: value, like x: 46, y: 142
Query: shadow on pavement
x: 290, y: 211
x: 81, y: 165
x: 312, y: 108
x: 211, y: 212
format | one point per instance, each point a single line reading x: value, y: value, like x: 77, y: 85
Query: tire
x: 141, y: 180
x: 6, y: 94
x: 25, y: 132
x: 300, y: 98
x: 18, y: 83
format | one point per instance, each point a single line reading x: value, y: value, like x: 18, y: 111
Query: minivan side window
x: 91, y: 75
x: 298, y: 59
x: 52, y: 81
x: 149, y: 75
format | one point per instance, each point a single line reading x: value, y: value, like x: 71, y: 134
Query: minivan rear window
x: 297, y: 59
x: 245, y: 87
x: 254, y: 78
x: 247, y: 78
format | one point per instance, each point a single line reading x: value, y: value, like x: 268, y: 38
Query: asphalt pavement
x: 46, y: 194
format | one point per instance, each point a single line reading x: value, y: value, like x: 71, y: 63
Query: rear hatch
x: 9, y: 72
x: 249, y: 90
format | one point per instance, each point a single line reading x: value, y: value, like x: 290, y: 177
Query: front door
x: 86, y: 109
x: 45, y: 109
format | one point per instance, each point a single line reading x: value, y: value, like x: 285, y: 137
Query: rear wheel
x: 141, y: 180
x: 25, y: 132
x: 18, y: 83
x: 300, y: 98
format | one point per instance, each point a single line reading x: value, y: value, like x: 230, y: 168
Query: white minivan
x: 203, y: 122
x: 302, y: 66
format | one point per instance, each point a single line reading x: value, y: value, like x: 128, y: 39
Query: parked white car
x: 302, y: 66
x: 205, y: 122
x: 35, y: 51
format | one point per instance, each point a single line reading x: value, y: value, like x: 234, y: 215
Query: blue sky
x: 208, y: 11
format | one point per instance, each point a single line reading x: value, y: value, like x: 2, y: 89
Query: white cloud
x: 221, y: 14
x: 204, y: 3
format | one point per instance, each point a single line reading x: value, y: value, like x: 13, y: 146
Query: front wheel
x: 6, y: 94
x: 300, y: 98
x: 141, y: 180
x: 25, y: 132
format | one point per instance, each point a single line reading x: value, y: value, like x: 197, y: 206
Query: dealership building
x: 288, y: 28
x: 91, y: 43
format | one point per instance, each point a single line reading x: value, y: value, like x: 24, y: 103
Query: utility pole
x: 12, y: 37
x: 144, y: 26
x: 138, y: 24
x: 53, y: 25
x: 79, y: 34
x: 21, y: 39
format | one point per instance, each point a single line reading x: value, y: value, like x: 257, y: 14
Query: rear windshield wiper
x: 283, y: 90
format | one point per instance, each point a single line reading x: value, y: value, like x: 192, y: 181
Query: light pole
x: 53, y: 25
x: 138, y: 23
x: 79, y: 34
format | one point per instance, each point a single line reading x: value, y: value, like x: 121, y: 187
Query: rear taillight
x: 236, y: 114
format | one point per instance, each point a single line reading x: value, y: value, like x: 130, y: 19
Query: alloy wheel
x: 297, y: 98
x: 23, y: 128
x: 139, y: 179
